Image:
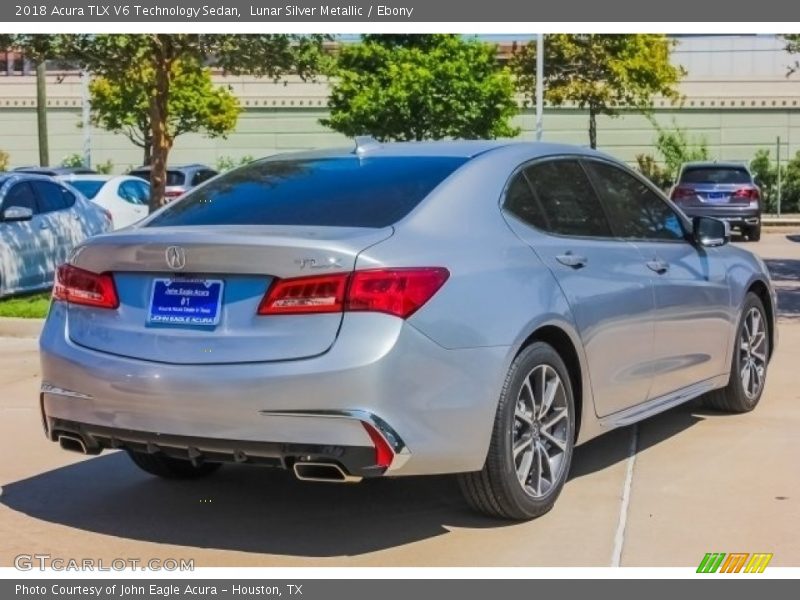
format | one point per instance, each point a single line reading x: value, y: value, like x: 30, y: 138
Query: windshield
x: 341, y: 192
x: 87, y: 187
x: 715, y: 175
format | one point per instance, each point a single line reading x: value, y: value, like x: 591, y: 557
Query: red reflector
x: 317, y: 294
x: 399, y: 292
x: 84, y: 287
x: 384, y: 455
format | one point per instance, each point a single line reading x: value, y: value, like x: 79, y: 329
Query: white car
x: 125, y: 197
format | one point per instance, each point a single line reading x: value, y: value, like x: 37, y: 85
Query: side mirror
x: 710, y: 232
x: 17, y: 213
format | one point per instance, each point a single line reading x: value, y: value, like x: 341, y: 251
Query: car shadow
x: 785, y: 275
x: 260, y: 510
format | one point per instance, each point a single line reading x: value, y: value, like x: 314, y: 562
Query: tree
x: 416, y: 87
x: 601, y: 74
x: 111, y: 55
x: 675, y: 147
x: 38, y: 48
x: 195, y: 105
x: 793, y: 47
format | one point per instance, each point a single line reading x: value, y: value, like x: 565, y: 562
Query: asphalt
x: 662, y: 493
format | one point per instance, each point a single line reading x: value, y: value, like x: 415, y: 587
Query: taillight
x: 681, y: 192
x: 747, y: 193
x: 399, y: 292
x: 317, y: 294
x: 84, y: 287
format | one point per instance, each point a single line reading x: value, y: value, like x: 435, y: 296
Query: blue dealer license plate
x: 186, y: 301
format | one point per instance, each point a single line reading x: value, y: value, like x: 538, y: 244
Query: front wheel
x: 531, y: 447
x: 749, y: 362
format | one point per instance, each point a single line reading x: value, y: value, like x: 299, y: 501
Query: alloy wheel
x: 753, y: 353
x: 541, y: 427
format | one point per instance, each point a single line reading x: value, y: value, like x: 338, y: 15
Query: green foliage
x: 72, y: 160
x: 417, y: 87
x: 766, y: 171
x: 105, y: 167
x: 790, y: 188
x: 111, y: 56
x: 226, y: 163
x: 793, y: 47
x: 35, y: 306
x: 195, y: 104
x: 5, y: 160
x: 648, y: 166
x: 676, y: 147
x: 601, y: 73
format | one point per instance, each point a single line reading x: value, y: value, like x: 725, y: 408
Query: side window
x: 142, y: 191
x: 201, y: 176
x: 521, y: 202
x: 636, y: 211
x: 131, y: 191
x: 22, y: 195
x: 52, y: 196
x: 568, y: 199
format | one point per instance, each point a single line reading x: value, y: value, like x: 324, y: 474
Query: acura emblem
x: 176, y: 258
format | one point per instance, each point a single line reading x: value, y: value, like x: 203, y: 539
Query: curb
x: 20, y: 328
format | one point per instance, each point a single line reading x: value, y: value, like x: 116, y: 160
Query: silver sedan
x: 403, y: 309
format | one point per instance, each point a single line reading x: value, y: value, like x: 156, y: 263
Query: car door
x: 26, y: 244
x: 57, y: 208
x: 603, y: 279
x: 130, y: 202
x: 692, y: 326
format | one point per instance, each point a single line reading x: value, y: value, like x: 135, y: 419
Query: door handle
x: 658, y: 265
x: 572, y: 260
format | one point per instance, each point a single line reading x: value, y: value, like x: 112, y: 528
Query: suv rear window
x: 715, y: 175
x: 173, y: 177
x: 343, y: 192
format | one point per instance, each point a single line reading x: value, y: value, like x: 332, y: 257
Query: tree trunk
x: 161, y: 141
x: 147, y: 147
x: 592, y: 129
x: 41, y: 112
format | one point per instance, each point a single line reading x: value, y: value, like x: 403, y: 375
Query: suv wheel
x: 171, y: 468
x: 531, y: 448
x: 754, y: 233
x: 749, y: 363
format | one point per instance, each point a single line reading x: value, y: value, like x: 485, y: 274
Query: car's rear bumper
x: 438, y: 403
x: 737, y: 217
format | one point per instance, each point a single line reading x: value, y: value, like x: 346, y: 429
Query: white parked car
x: 125, y: 197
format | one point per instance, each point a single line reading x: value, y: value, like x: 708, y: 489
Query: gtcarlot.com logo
x: 30, y: 562
x: 735, y: 562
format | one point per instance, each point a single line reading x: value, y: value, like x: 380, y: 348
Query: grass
x: 33, y: 306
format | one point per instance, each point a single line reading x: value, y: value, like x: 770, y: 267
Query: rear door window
x: 570, y: 204
x: 202, y: 175
x: 715, y: 175
x: 343, y: 191
x: 521, y: 202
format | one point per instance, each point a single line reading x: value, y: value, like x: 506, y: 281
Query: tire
x: 497, y: 490
x: 171, y: 468
x: 735, y: 397
x: 754, y: 233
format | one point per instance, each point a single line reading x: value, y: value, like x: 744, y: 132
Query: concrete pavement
x: 696, y: 482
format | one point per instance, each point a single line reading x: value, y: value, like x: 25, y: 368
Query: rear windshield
x: 715, y: 175
x: 87, y: 187
x: 173, y: 177
x: 336, y: 192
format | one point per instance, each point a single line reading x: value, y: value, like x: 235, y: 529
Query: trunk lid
x: 242, y: 261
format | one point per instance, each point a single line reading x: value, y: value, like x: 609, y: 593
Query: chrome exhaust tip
x: 73, y: 443
x: 322, y: 471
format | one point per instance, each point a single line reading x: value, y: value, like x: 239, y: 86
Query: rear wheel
x: 749, y: 362
x: 754, y: 233
x: 531, y: 448
x: 171, y: 468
